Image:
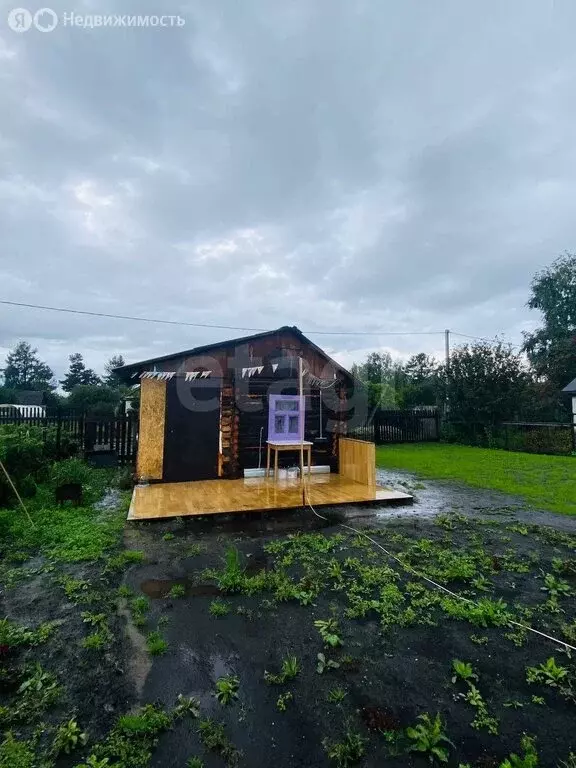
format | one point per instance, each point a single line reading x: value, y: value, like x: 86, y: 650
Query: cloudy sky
x: 334, y: 164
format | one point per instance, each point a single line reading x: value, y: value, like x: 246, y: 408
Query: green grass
x: 547, y: 482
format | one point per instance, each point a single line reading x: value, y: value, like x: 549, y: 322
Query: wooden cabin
x: 216, y: 412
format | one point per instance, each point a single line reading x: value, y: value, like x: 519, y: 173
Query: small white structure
x: 27, y: 411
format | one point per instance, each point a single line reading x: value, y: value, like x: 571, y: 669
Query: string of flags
x: 315, y: 381
x: 167, y: 375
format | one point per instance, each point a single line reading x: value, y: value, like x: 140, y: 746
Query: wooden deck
x: 212, y: 497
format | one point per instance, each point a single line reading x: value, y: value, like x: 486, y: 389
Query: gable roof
x: 30, y: 397
x: 126, y: 370
x: 571, y: 388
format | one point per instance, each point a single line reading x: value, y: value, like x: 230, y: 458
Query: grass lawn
x: 548, y: 482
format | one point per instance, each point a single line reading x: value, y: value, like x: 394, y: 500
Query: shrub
x: 22, y: 453
x: 70, y: 471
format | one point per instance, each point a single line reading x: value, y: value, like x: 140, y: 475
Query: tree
x: 420, y: 381
x: 8, y: 396
x: 97, y: 401
x: 111, y: 378
x: 551, y: 349
x: 25, y: 370
x: 486, y: 384
x: 379, y: 374
x: 78, y: 374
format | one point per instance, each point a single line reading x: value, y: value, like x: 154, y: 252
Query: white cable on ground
x: 409, y: 568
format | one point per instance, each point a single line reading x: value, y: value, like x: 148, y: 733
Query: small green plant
x: 322, y: 664
x: 187, y: 706
x: 156, y: 644
x: 549, y: 673
x: 289, y: 670
x: 69, y: 736
x: 328, y: 629
x: 125, y: 591
x: 528, y: 760
x: 168, y: 537
x: 16, y: 754
x: 479, y: 639
x: 555, y: 586
x: 485, y: 613
x: 347, y: 752
x: 213, y: 736
x: 282, y: 701
x: 219, y: 608
x: 429, y: 738
x: 178, y: 590
x: 336, y: 695
x: 482, y: 720
x: 463, y: 670
x: 196, y: 549
x: 570, y: 761
x: 227, y: 689
x: 540, y: 700
x: 95, y: 642
x: 195, y: 762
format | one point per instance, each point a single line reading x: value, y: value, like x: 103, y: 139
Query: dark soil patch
x: 379, y: 719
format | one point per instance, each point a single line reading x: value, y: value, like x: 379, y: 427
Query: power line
x: 209, y: 325
x: 160, y: 321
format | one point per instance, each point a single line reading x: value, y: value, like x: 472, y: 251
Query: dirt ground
x: 390, y: 674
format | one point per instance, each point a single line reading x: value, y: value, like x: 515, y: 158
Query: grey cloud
x: 336, y: 164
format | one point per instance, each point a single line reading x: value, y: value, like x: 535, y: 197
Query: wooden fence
x: 412, y: 425
x: 73, y: 433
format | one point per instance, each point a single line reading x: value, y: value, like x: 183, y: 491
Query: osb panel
x: 357, y: 460
x: 151, y: 435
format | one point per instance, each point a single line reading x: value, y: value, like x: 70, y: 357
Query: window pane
x: 293, y: 424
x: 279, y: 424
x: 286, y: 405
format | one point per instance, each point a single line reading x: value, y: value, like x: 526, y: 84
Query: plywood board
x: 357, y: 460
x: 210, y: 497
x: 150, y: 459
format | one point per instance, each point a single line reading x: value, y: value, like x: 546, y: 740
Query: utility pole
x: 447, y: 378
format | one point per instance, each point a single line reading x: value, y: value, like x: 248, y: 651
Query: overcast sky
x: 331, y: 164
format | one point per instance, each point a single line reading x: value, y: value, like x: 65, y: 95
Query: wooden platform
x: 211, y: 497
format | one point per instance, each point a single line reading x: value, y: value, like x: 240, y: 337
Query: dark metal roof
x: 126, y: 370
x: 30, y: 397
x: 571, y: 388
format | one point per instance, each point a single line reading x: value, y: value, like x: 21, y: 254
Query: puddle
x: 160, y: 588
x: 220, y: 666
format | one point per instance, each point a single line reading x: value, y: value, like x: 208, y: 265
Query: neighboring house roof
x: 132, y: 367
x: 571, y: 388
x: 30, y: 397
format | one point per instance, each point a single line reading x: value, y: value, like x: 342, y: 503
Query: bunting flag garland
x: 167, y: 375
x: 274, y: 367
x: 316, y: 381
x: 251, y: 371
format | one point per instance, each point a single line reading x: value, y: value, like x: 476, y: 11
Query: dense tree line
x: 487, y: 383
x: 86, y: 391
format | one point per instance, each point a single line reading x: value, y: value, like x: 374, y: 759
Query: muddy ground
x: 392, y: 675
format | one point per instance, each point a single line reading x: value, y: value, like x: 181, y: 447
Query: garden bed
x: 194, y: 609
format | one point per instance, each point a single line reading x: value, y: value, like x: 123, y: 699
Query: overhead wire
x: 214, y: 326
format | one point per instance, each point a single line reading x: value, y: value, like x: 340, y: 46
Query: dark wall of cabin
x: 253, y: 424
